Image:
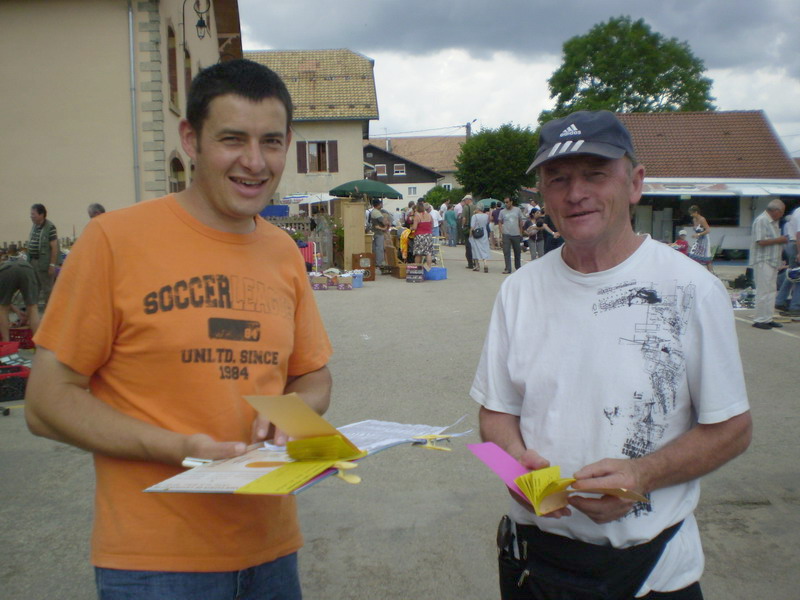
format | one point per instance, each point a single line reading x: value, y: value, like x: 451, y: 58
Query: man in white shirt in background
x: 437, y: 218
x: 765, y: 258
x: 792, y: 232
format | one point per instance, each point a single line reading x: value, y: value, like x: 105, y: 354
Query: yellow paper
x: 329, y: 447
x: 298, y: 420
x: 287, y: 478
x: 544, y: 483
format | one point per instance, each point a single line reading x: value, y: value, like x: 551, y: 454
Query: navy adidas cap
x: 599, y: 133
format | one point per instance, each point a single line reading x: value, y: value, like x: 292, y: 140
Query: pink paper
x: 501, y: 462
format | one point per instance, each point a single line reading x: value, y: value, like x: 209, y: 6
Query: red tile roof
x: 734, y: 144
x: 438, y: 153
x: 325, y: 84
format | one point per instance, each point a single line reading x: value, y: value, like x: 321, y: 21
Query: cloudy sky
x: 442, y: 63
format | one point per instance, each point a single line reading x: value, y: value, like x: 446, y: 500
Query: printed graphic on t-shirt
x: 219, y: 291
x: 658, y: 334
x: 230, y: 293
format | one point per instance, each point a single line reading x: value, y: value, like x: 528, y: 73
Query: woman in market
x: 479, y: 237
x: 701, y: 249
x: 422, y: 226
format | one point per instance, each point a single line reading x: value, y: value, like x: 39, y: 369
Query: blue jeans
x: 276, y: 580
x: 452, y: 231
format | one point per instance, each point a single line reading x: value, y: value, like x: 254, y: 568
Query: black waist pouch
x: 554, y: 567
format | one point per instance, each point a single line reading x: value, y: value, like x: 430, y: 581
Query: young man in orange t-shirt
x: 147, y: 350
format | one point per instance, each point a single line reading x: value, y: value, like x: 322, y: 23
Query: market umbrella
x: 365, y: 187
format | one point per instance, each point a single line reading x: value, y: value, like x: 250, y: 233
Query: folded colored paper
x: 544, y: 488
x: 316, y: 450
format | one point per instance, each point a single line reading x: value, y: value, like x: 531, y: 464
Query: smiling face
x: 239, y: 157
x: 589, y: 199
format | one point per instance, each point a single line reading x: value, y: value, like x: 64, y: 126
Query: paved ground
x: 422, y: 523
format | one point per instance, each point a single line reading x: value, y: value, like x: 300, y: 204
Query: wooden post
x: 353, y: 213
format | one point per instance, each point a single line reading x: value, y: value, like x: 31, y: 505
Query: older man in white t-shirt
x: 634, y: 382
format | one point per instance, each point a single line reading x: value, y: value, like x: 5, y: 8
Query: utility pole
x: 469, y: 128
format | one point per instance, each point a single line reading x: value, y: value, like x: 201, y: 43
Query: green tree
x: 624, y: 66
x: 439, y: 194
x: 492, y: 162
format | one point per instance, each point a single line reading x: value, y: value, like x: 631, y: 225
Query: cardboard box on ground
x: 414, y: 274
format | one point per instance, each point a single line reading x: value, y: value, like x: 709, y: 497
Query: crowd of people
x: 483, y: 226
x: 480, y: 226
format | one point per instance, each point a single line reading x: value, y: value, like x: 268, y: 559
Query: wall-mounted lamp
x: 202, y: 8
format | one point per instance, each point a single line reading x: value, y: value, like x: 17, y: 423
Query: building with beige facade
x: 93, y: 91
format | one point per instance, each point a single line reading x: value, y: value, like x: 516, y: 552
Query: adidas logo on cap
x: 571, y: 130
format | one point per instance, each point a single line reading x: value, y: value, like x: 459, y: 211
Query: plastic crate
x: 436, y: 274
x: 23, y: 335
x: 7, y: 348
x: 13, y: 380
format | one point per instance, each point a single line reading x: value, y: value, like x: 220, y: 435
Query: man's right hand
x: 200, y: 445
x: 532, y: 460
x: 503, y: 429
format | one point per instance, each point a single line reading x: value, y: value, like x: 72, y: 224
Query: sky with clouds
x: 442, y: 63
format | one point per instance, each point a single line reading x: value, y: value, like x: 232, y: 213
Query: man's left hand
x: 262, y: 429
x: 607, y: 473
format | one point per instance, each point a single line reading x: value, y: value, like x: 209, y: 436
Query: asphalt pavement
x: 422, y: 522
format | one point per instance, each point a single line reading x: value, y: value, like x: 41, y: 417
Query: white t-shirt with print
x: 626, y: 361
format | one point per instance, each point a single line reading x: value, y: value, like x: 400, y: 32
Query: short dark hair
x: 39, y: 208
x: 240, y: 77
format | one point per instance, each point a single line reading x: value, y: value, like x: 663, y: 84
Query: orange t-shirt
x: 175, y: 322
